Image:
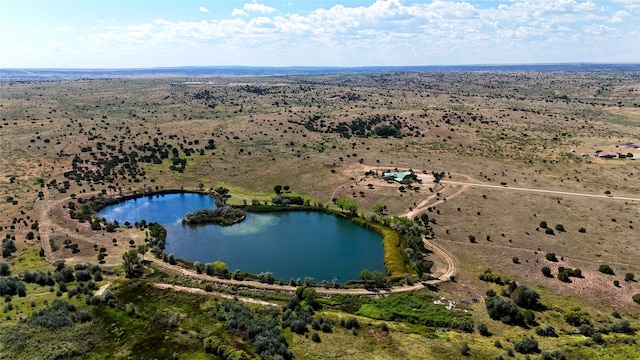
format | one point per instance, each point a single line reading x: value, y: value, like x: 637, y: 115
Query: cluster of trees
x: 514, y: 305
x: 376, y: 125
x: 261, y: 326
x: 225, y: 215
x: 285, y: 200
x: 346, y: 204
x: 59, y: 315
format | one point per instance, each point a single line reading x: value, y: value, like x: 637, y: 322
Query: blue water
x: 289, y: 245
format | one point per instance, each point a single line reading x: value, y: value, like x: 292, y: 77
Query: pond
x: 294, y: 244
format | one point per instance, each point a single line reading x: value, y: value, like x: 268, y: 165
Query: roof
x: 608, y: 154
x: 397, y: 175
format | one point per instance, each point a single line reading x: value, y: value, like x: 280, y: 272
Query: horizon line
x: 321, y: 66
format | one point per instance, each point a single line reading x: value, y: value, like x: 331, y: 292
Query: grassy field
x: 62, y: 142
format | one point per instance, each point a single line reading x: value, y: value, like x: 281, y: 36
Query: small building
x: 396, y: 175
x: 608, y: 155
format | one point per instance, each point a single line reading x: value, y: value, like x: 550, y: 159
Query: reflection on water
x: 288, y: 244
x: 254, y: 224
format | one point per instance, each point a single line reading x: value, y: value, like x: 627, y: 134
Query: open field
x: 516, y: 148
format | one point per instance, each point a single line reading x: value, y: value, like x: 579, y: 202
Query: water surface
x: 293, y: 244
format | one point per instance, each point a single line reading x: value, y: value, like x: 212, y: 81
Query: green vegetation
x: 415, y: 308
x: 606, y: 269
x: 225, y: 216
x: 394, y: 261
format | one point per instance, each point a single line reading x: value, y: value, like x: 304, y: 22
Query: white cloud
x: 64, y: 28
x: 619, y: 16
x: 256, y: 7
x: 239, y: 12
x: 204, y: 9
x: 390, y: 31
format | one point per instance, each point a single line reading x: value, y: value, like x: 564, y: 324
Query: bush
x: 636, y: 298
x: 526, y: 346
x: 352, y: 323
x: 543, y: 224
x: 558, y: 354
x: 525, y: 297
x: 606, y: 269
x: 560, y: 227
x: 315, y: 337
x: 547, y: 330
x: 551, y: 257
x: 503, y: 309
x: 549, y: 231
x: 464, y: 349
x: 629, y: 277
x: 621, y: 326
x: 57, y: 316
x: 577, y: 317
x: 483, y: 329
x: 546, y: 272
x: 5, y: 269
x: 515, y: 260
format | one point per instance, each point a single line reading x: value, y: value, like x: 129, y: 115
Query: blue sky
x: 144, y: 33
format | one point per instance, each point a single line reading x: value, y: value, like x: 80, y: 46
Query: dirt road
x: 556, y: 192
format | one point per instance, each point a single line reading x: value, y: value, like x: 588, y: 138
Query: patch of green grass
x: 395, y: 261
x: 414, y: 308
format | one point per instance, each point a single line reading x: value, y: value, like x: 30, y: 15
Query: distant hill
x: 226, y: 71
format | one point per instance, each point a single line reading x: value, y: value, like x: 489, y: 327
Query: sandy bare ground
x: 553, y: 192
x: 102, y: 289
x: 213, y: 293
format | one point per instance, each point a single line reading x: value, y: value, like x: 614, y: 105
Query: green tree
x: 131, y: 263
x: 277, y: 189
x: 220, y: 268
x: 348, y: 205
x: 606, y: 269
x: 379, y: 209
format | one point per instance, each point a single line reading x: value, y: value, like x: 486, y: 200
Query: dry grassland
x: 526, y: 130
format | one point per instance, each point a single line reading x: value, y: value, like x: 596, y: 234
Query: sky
x: 171, y: 33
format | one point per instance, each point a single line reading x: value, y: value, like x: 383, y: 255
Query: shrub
x: 543, y: 224
x: 560, y: 227
x: 636, y: 298
x: 525, y: 297
x: 549, y: 231
x: 606, y: 269
x: 464, y: 349
x: 503, y: 309
x: 5, y: 269
x: 629, y: 277
x: 546, y: 272
x: 621, y: 326
x: 547, y: 330
x: 57, y: 316
x: 551, y: 257
x: 352, y: 323
x: 526, y: 346
x: 315, y: 337
x: 577, y: 317
x: 582, y: 230
x: 597, y: 338
x: 515, y: 260
x: 558, y: 354
x: 483, y: 329
x: 487, y: 275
